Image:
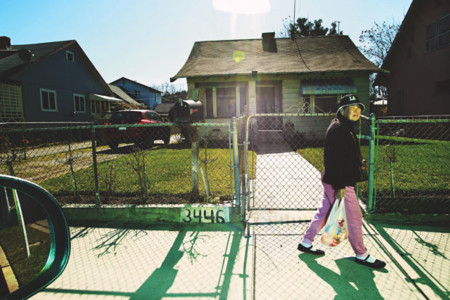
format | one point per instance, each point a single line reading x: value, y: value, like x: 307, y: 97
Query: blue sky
x: 150, y: 40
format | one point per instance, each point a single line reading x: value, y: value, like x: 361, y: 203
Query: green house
x: 275, y: 75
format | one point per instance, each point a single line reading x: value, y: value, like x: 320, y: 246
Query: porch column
x: 214, y: 94
x: 252, y: 97
x: 238, y: 101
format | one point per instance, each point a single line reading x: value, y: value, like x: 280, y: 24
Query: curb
x: 153, y: 214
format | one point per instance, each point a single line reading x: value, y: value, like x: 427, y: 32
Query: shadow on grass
x: 424, y: 249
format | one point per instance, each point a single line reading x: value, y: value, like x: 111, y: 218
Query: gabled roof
x: 122, y: 95
x: 135, y: 82
x: 11, y: 62
x: 303, y: 55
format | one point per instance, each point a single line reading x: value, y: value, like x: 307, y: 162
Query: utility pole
x: 339, y: 32
x: 293, y: 21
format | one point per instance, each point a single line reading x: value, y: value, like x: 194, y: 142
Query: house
x: 121, y: 94
x: 50, y: 82
x: 150, y: 97
x: 275, y: 75
x: 419, y: 61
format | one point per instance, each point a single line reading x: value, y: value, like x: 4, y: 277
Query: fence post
x: 237, y: 185
x: 370, y: 196
x: 94, y: 167
x: 193, y: 132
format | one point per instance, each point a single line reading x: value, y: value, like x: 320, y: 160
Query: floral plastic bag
x: 335, y: 230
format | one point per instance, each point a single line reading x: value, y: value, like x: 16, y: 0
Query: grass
x: 12, y: 243
x: 169, y: 173
x: 420, y: 169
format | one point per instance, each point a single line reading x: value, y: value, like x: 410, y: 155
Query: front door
x: 265, y: 100
x: 268, y: 101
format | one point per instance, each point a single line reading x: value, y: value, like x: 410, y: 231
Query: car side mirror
x: 34, y: 238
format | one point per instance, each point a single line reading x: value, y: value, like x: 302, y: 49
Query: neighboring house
x: 139, y: 92
x: 121, y: 94
x: 419, y: 61
x: 50, y: 82
x: 276, y: 75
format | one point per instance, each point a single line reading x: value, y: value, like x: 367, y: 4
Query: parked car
x: 142, y: 136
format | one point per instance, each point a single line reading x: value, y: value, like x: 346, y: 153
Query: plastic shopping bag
x: 335, y: 230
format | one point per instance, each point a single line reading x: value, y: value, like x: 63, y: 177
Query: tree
x: 375, y: 45
x: 303, y: 27
x: 376, y: 41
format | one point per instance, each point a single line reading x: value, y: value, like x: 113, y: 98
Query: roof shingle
x: 303, y: 55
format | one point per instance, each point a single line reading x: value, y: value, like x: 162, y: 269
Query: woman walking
x: 342, y: 160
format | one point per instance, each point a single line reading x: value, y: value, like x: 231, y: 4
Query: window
x: 226, y: 102
x: 137, y: 92
x: 325, y: 103
x: 48, y: 100
x: 100, y: 107
x: 11, y: 103
x: 79, y: 104
x: 153, y: 116
x: 438, y: 34
x: 70, y: 56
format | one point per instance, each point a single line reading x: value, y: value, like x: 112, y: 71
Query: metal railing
x: 262, y: 161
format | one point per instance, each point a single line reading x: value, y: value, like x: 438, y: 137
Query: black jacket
x: 342, y: 156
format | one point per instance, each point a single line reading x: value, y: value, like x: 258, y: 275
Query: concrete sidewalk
x: 220, y: 262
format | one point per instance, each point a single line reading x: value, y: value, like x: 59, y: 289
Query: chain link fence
x: 285, y: 160
x: 411, y: 173
x: 122, y: 164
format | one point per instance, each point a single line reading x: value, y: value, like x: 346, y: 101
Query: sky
x: 150, y: 40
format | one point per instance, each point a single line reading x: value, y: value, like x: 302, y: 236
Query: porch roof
x: 98, y: 97
x: 302, y: 55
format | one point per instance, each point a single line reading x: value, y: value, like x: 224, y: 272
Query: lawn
x: 159, y: 175
x: 12, y: 243
x: 419, y: 169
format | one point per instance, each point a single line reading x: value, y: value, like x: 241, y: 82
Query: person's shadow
x: 361, y: 276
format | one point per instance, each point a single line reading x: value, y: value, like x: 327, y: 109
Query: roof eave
x: 371, y: 70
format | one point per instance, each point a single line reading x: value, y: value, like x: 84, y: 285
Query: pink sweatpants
x: 353, y: 214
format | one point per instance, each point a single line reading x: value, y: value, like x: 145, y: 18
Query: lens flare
x: 238, y: 56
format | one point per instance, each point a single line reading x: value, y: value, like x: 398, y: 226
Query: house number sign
x: 204, y: 215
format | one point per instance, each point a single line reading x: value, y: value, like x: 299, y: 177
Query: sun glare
x: 242, y: 6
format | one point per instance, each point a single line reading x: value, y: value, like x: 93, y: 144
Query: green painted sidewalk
x: 221, y: 262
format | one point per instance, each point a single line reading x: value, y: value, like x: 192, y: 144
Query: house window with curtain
x: 48, y: 100
x: 325, y: 103
x: 79, y: 103
x: 226, y: 102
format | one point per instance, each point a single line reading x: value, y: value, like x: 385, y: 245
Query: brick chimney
x: 268, y: 42
x: 5, y: 43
